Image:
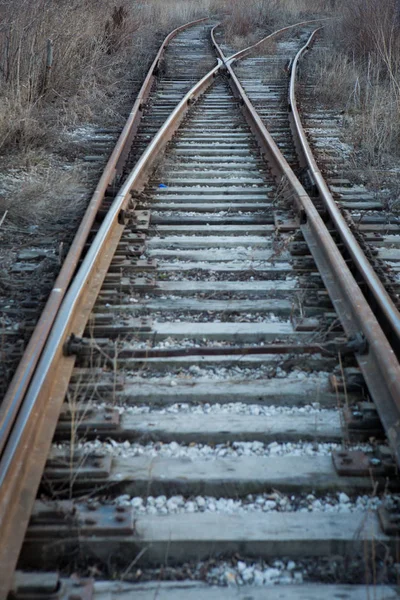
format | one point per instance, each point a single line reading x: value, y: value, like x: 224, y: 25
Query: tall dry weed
x: 245, y: 21
x: 370, y: 30
x: 359, y: 72
x: 92, y: 46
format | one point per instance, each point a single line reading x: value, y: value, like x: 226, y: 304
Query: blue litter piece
x: 162, y: 185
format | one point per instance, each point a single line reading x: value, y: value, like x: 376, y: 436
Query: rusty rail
x: 31, y: 431
x: 388, y: 315
x: 250, y: 49
x: 23, y: 460
x: 19, y: 384
x: 375, y: 357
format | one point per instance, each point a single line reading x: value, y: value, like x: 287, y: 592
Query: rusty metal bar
x: 390, y: 317
x: 246, y: 51
x: 25, y: 454
x: 376, y: 358
x: 19, y: 384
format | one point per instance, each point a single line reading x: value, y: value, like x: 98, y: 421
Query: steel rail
x: 246, y: 51
x: 13, y: 398
x: 388, y: 316
x: 39, y: 387
x: 28, y: 445
x: 376, y: 358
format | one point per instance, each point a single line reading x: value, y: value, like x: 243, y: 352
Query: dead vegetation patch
x: 247, y: 21
x: 65, y: 66
x: 358, y: 72
x: 66, y: 63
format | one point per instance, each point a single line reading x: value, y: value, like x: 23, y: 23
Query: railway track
x: 220, y: 361
x: 367, y: 212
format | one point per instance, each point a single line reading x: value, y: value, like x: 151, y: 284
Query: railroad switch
x: 50, y: 586
x: 357, y: 343
x: 299, y: 249
x: 122, y: 217
x: 137, y: 250
x: 304, y: 264
x: 356, y: 463
x: 99, y: 324
x: 134, y: 241
x: 131, y: 203
x: 143, y: 265
x: 324, y: 298
x: 101, y: 215
x: 89, y: 348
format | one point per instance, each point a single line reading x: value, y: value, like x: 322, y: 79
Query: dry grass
x: 96, y: 45
x: 337, y: 78
x: 246, y: 21
x: 370, y: 31
x: 81, y: 55
x: 359, y: 72
x: 45, y: 188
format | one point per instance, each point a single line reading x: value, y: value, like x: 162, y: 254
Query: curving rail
x: 250, y: 49
x: 29, y: 416
x: 375, y: 355
x: 30, y: 409
x: 388, y: 314
x: 378, y: 363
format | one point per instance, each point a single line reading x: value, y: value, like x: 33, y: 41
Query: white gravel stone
x: 172, y: 505
x: 248, y: 575
x: 271, y: 574
x: 258, y: 578
x: 252, y: 574
x: 160, y: 501
x: 190, y: 507
x: 200, y: 501
x: 269, y: 503
x: 237, y: 408
x: 343, y: 498
x: 241, y: 566
x: 203, y: 451
x: 124, y: 499
x: 217, y: 373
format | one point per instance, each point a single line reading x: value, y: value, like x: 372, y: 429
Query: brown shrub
x: 245, y: 21
x: 92, y: 45
x: 359, y: 72
x: 370, y: 30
